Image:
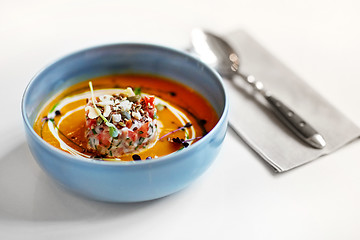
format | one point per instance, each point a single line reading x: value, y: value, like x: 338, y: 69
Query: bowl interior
x: 120, y: 59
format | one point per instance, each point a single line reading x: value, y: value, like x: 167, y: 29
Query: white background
x: 239, y: 197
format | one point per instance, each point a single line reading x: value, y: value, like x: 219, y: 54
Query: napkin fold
x: 254, y: 121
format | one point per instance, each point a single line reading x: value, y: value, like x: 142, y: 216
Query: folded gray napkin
x: 253, y: 120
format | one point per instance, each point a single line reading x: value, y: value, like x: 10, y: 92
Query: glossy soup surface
x: 69, y: 120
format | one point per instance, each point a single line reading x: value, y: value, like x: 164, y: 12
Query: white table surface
x: 239, y: 197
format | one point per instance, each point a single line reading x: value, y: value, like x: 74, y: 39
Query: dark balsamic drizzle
x: 200, y: 122
x: 136, y: 157
x: 46, y: 119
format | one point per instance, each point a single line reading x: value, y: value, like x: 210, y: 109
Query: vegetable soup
x: 125, y: 118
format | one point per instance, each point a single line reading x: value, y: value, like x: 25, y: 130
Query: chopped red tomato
x: 149, y: 100
x: 104, y: 138
x: 149, y: 105
x: 143, y: 130
x: 132, y: 135
x: 90, y: 123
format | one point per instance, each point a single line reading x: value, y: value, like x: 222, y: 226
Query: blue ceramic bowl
x: 126, y: 181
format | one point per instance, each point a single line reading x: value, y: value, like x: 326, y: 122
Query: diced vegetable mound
x: 133, y: 116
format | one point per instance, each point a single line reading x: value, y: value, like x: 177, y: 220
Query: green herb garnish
x: 141, y: 140
x: 119, y: 143
x: 53, y: 108
x: 137, y: 91
x: 114, y: 132
x: 155, y: 116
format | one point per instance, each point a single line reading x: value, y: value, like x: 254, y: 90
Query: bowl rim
x: 78, y: 159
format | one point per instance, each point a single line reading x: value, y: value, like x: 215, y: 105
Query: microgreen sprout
x: 187, y: 125
x: 53, y: 108
x: 114, y: 132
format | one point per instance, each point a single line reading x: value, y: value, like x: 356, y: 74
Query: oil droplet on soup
x: 142, y: 117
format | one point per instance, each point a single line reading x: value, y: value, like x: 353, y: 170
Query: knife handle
x: 296, y: 123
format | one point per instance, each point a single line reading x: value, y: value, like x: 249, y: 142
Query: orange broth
x: 201, y: 115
